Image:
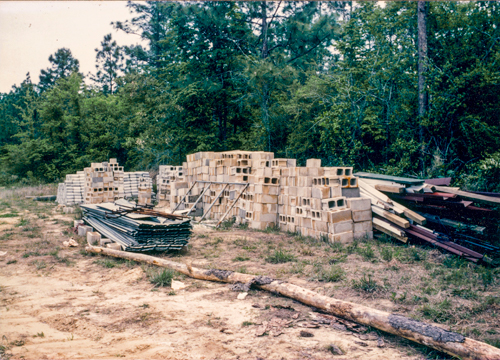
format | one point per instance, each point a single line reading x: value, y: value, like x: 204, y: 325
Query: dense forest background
x: 330, y: 80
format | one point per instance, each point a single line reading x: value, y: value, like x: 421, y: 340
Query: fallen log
x: 427, y: 334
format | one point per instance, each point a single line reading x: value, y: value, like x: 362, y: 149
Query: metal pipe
x: 198, y: 200
x: 212, y: 204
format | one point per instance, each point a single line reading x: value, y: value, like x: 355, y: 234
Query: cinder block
x: 84, y: 229
x: 319, y: 225
x: 340, y: 227
x: 114, y: 246
x: 320, y: 192
x: 313, y: 163
x: 363, y: 226
x: 340, y: 215
x: 343, y: 238
x: 77, y: 223
x: 93, y: 237
x: 359, y: 203
x: 363, y: 235
x: 362, y: 215
x: 103, y: 242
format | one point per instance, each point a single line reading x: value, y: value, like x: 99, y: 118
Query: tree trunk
x: 264, y: 53
x: 422, y: 68
x: 427, y: 334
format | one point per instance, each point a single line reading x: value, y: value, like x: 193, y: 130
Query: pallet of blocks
x: 100, y: 183
x: 258, y: 189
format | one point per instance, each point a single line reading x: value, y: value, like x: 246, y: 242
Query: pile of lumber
x: 442, y: 208
x: 138, y: 229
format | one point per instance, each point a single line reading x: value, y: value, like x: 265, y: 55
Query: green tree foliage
x: 63, y: 64
x: 109, y: 60
x: 302, y: 79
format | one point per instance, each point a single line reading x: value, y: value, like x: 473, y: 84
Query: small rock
x: 177, y: 285
x: 335, y: 350
x: 361, y: 343
x: 296, y: 316
x: 306, y: 333
x: 66, y: 243
x: 257, y: 306
x: 72, y: 242
x: 3, y: 253
x: 380, y: 343
x: 242, y: 296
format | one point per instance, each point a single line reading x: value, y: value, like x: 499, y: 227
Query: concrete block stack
x: 167, y: 175
x: 72, y: 190
x: 313, y: 200
x: 100, y: 185
x: 131, y: 181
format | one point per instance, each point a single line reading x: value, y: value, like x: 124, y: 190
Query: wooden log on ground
x: 422, y: 333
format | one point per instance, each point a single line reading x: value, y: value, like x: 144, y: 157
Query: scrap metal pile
x: 138, y: 229
x: 446, y: 211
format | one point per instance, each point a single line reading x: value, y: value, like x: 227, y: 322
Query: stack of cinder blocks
x: 167, y: 175
x: 72, y: 190
x: 131, y: 181
x: 316, y: 201
x: 100, y: 182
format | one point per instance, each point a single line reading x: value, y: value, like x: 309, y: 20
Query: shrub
x: 162, y: 278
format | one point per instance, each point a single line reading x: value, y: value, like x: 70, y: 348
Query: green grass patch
x: 280, y: 257
x: 332, y: 274
x: 161, y: 278
x: 241, y: 258
x: 11, y: 215
x: 366, y: 284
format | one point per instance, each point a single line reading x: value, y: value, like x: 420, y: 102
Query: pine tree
x: 63, y: 65
x: 109, y: 60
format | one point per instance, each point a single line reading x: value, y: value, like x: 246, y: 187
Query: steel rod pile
x: 137, y: 230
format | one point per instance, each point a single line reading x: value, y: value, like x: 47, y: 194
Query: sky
x: 30, y: 31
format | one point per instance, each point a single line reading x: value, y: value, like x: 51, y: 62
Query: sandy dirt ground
x: 61, y: 303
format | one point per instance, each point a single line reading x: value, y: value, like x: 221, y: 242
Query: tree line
x: 332, y: 80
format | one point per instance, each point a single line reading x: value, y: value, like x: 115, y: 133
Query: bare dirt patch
x: 61, y: 303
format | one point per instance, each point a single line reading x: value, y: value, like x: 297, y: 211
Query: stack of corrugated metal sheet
x: 135, y: 231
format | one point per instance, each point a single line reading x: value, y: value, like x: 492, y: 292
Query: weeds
x: 366, y: 284
x: 386, y: 253
x: 162, y: 278
x: 39, y: 264
x: 11, y: 215
x: 366, y: 252
x: 280, y: 257
x: 106, y: 263
x: 241, y: 258
x: 439, y: 312
x: 332, y: 274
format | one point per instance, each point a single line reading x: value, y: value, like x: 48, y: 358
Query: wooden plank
x: 398, y: 179
x: 391, y: 217
x: 390, y: 233
x: 390, y: 188
x: 374, y: 182
x: 374, y: 192
x: 468, y: 195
